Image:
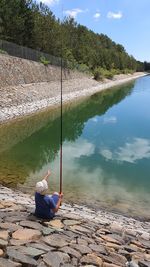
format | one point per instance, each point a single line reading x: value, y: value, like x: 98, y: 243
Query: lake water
x: 106, y: 150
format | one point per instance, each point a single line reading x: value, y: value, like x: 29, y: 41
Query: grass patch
x: 3, y: 52
x: 44, y: 61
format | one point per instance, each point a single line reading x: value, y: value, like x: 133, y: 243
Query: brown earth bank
x: 77, y: 236
x: 27, y: 87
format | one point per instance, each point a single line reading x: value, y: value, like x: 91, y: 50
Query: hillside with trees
x: 27, y: 23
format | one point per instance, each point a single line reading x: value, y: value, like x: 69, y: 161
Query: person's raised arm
x: 47, y: 175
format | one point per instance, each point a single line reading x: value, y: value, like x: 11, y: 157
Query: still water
x: 106, y: 150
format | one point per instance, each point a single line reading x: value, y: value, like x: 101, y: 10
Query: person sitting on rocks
x: 45, y: 205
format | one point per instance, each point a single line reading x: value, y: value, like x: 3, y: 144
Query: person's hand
x: 48, y: 173
x: 61, y: 195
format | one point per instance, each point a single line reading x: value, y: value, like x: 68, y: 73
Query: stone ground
x: 77, y: 236
x: 24, y: 99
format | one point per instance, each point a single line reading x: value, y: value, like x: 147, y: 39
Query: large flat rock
x: 55, y: 259
x: 20, y: 257
x: 92, y: 259
x: 30, y: 224
x: 56, y: 240
x: 8, y: 263
x: 26, y: 234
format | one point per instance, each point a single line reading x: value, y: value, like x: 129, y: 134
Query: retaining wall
x: 16, y: 71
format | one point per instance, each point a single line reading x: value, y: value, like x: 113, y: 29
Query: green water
x: 106, y: 150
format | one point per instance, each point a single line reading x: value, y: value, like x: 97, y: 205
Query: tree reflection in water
x: 28, y: 144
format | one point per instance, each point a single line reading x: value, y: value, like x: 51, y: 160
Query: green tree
x: 16, y: 21
x: 33, y: 24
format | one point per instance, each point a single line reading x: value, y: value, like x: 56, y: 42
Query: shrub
x: 98, y: 74
x: 127, y: 71
x: 69, y: 58
x: 3, y: 52
x: 108, y: 74
x: 83, y: 68
x: 44, y: 60
x: 115, y: 71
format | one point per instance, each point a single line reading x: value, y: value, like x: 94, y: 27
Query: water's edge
x: 19, y: 110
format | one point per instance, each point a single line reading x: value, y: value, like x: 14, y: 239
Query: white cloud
x: 97, y: 15
x: 49, y: 2
x: 111, y: 119
x: 112, y: 15
x: 130, y: 152
x: 74, y: 12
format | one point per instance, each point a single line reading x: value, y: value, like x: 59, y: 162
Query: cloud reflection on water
x: 80, y: 148
x: 94, y: 187
x: 138, y: 149
x: 111, y: 119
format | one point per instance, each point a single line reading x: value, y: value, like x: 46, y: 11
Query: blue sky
x: 124, y: 21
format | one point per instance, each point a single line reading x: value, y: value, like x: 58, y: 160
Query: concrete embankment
x: 77, y: 236
x: 27, y: 86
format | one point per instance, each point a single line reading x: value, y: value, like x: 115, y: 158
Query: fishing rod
x: 61, y: 127
x: 61, y: 113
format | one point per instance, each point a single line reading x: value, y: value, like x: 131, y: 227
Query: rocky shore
x: 77, y: 236
x: 25, y: 99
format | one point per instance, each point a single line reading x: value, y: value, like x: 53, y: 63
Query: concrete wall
x: 15, y: 71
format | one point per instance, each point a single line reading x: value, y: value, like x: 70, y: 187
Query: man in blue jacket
x: 45, y: 205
